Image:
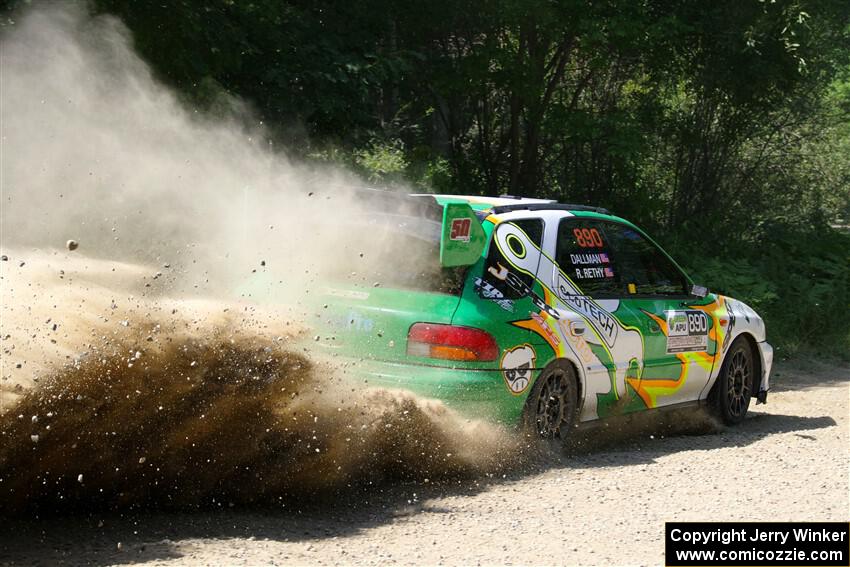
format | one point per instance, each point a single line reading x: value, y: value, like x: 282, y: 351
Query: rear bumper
x: 473, y: 393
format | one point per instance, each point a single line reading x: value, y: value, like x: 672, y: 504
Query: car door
x: 586, y: 281
x: 678, y: 355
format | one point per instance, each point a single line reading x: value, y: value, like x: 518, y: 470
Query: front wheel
x: 552, y: 406
x: 734, y: 388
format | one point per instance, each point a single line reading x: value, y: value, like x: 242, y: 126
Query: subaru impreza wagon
x: 536, y: 313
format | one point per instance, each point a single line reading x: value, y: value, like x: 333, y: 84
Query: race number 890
x: 588, y: 237
x: 697, y: 323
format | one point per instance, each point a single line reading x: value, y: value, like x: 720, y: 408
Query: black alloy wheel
x: 552, y: 407
x: 734, y: 388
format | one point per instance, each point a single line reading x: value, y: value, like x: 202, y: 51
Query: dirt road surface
x: 788, y: 461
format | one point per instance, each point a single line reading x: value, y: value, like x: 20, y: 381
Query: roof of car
x: 485, y: 203
x: 481, y: 204
x: 508, y: 203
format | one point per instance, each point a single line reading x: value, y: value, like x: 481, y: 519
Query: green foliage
x: 382, y: 162
x: 798, y: 279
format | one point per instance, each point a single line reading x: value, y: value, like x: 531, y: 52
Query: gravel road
x: 788, y: 461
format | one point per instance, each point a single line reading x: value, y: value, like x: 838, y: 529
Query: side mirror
x: 699, y: 291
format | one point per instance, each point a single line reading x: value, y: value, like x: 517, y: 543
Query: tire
x: 551, y: 410
x: 734, y: 389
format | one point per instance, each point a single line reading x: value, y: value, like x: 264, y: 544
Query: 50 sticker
x: 460, y: 229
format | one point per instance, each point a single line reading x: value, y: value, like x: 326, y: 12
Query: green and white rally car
x: 535, y: 313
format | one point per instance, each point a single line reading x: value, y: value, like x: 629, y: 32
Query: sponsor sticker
x: 687, y: 331
x: 487, y: 291
x: 543, y: 325
x: 460, y: 229
x: 516, y: 366
x: 602, y: 321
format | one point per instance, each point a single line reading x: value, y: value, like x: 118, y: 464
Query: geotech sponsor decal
x: 687, y: 331
x: 516, y: 367
x: 602, y: 321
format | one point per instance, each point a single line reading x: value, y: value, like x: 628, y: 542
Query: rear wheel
x: 734, y: 388
x: 552, y: 406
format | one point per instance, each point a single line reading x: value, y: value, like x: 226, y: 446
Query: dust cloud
x: 203, y: 409
x: 96, y: 150
x: 132, y: 375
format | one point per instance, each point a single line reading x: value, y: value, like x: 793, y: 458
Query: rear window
x: 609, y: 259
x: 584, y: 253
x: 645, y: 269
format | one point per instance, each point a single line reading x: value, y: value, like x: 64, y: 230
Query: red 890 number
x: 588, y: 237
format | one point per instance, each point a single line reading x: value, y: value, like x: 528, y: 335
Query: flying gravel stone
x: 72, y: 245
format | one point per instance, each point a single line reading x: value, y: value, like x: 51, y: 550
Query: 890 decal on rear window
x: 588, y: 238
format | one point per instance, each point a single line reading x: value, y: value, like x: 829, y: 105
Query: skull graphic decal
x: 516, y: 367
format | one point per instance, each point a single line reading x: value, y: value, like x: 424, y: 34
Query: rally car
x: 536, y: 313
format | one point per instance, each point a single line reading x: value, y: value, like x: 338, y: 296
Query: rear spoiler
x: 462, y: 239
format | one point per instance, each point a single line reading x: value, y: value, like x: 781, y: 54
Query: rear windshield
x: 395, y: 251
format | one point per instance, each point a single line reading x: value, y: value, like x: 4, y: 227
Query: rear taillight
x: 449, y: 342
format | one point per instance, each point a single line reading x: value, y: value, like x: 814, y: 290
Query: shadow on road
x: 805, y: 374
x: 646, y: 442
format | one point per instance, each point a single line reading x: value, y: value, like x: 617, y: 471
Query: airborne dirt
x: 115, y: 399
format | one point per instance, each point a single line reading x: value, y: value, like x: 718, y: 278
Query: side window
x: 495, y: 288
x: 644, y: 268
x: 585, y: 255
